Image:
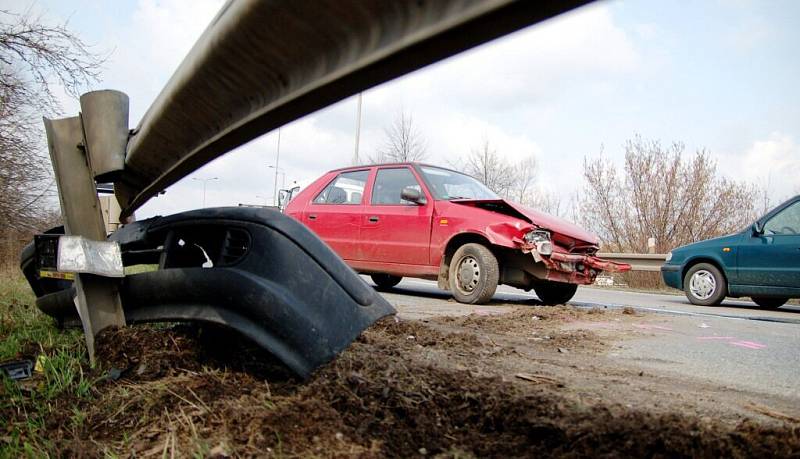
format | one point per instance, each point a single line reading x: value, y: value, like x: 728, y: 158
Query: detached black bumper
x: 272, y: 280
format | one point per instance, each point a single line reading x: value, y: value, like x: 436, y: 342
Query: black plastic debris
x: 17, y: 370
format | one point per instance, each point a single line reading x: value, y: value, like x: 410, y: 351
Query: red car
x: 416, y: 220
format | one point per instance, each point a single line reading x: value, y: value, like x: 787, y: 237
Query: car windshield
x: 447, y: 184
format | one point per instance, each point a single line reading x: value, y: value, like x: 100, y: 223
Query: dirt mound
x: 388, y: 395
x: 522, y: 320
x: 395, y: 332
x: 539, y: 326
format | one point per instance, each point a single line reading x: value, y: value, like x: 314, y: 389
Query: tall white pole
x: 358, y: 129
x: 277, y: 158
x: 205, y: 182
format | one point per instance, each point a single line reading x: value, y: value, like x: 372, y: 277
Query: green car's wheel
x: 705, y: 285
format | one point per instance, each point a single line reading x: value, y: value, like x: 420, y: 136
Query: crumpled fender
x: 273, y: 281
x: 507, y: 234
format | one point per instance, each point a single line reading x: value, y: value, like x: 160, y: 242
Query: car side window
x: 786, y: 222
x: 347, y: 188
x: 389, y: 184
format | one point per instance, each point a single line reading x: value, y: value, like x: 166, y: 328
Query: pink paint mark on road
x: 748, y: 344
x: 734, y: 342
x: 599, y: 325
x: 652, y: 327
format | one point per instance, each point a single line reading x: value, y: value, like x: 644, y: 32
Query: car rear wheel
x: 474, y: 274
x: 705, y: 285
x: 769, y: 303
x: 552, y: 293
x: 385, y: 281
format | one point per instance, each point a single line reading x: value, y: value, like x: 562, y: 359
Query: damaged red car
x: 415, y: 220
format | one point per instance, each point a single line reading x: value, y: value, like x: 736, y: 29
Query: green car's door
x: 769, y: 262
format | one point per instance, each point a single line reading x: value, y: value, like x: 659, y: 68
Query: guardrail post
x: 77, y: 144
x: 651, y: 245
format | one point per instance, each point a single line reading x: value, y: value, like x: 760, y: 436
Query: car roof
x: 407, y: 163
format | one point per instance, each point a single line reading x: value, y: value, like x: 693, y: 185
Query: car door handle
x: 373, y: 219
x: 312, y: 217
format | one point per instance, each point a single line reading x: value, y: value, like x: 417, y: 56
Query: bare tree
x: 526, y: 192
x: 486, y: 165
x: 661, y: 195
x: 547, y: 202
x: 403, y: 143
x: 34, y: 59
x: 525, y: 177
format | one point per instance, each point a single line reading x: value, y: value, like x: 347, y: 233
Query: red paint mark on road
x: 734, y: 342
x: 748, y: 344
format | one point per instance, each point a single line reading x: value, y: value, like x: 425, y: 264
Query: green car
x: 762, y: 262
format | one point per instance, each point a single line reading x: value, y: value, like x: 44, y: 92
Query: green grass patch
x: 23, y: 326
x: 61, y: 384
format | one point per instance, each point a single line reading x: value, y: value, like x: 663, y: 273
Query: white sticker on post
x: 77, y: 254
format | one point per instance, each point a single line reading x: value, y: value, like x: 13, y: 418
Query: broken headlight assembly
x: 541, y: 240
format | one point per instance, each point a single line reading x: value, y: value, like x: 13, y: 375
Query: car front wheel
x: 385, y: 281
x: 474, y: 274
x: 705, y: 285
x: 769, y: 303
x: 553, y: 293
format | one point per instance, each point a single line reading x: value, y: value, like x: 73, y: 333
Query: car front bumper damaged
x: 253, y: 270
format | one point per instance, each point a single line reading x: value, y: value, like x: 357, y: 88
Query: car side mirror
x: 412, y: 195
x: 758, y: 230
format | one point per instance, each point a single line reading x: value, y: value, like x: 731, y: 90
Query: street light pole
x: 277, y: 158
x: 283, y: 180
x: 358, y: 130
x: 205, y: 181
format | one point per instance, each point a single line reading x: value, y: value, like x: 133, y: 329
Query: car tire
x: 552, y: 293
x: 769, y: 303
x: 474, y: 274
x: 705, y: 285
x: 385, y: 281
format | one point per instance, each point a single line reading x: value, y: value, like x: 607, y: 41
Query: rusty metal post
x: 83, y: 148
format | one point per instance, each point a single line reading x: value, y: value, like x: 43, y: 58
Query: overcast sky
x: 719, y: 75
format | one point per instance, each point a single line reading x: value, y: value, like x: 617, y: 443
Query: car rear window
x: 347, y: 188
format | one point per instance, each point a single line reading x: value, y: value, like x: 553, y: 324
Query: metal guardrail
x: 638, y: 261
x: 262, y: 64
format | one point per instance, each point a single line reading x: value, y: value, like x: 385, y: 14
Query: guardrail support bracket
x: 97, y: 298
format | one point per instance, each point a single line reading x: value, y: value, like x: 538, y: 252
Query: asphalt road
x: 736, y: 345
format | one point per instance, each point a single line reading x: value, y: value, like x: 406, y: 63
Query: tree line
x: 35, y: 58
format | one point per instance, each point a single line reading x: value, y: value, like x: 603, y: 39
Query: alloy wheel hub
x: 703, y: 284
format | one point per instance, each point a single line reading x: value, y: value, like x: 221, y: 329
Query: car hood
x: 538, y: 218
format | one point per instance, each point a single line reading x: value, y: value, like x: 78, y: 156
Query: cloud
x: 153, y: 44
x: 773, y: 163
